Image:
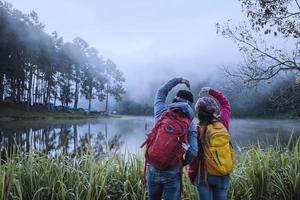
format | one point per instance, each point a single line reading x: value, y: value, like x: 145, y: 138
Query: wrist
x: 177, y: 80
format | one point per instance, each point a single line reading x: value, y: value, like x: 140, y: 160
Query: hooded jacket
x: 160, y: 106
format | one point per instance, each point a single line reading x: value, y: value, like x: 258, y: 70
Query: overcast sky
x: 149, y: 40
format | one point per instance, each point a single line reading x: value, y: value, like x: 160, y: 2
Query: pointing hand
x: 187, y: 83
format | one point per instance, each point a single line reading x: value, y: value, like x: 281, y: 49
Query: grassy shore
x: 272, y: 173
x: 9, y: 112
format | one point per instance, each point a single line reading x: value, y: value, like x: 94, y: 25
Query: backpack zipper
x: 171, y: 138
x: 217, y: 155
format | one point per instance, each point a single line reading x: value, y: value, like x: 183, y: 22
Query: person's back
x: 171, y: 122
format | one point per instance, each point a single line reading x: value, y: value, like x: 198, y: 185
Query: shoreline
x: 50, y: 118
x: 12, y: 112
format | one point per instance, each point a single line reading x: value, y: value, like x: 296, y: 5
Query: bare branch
x: 259, y: 50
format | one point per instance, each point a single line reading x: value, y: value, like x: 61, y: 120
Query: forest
x: 37, y: 68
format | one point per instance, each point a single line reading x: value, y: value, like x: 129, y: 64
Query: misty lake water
x: 123, y: 134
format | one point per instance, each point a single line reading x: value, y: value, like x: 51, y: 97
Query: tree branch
x: 297, y: 3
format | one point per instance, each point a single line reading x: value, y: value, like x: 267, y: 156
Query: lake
x: 125, y: 134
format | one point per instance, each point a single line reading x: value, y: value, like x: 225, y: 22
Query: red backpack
x: 165, y: 141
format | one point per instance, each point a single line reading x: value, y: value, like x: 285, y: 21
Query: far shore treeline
x: 37, y: 68
x: 279, y: 99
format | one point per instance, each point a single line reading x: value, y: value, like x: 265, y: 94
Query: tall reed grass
x: 261, y: 173
x: 268, y: 173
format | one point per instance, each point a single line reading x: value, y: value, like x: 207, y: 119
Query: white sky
x: 149, y: 40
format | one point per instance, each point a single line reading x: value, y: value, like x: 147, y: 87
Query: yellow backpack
x: 218, y: 153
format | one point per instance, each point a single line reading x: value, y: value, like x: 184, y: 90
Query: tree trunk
x: 1, y: 87
x: 106, y: 105
x: 13, y: 90
x: 90, y: 102
x: 55, y: 98
x: 48, y: 94
x: 29, y: 89
x: 18, y: 91
x: 32, y: 97
x: 90, y: 97
x: 36, y: 87
x: 47, y: 85
x: 23, y: 91
x: 76, y: 95
x: 36, y: 92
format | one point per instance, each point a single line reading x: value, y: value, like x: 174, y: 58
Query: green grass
x: 270, y: 173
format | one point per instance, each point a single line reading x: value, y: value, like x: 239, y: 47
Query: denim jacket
x: 160, y: 106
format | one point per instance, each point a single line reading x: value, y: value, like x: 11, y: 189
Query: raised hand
x: 187, y: 83
x: 204, y: 91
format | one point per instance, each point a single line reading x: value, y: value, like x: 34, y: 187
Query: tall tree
x: 89, y: 78
x: 77, y: 52
x: 114, y: 85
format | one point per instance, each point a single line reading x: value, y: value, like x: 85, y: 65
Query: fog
x: 149, y: 41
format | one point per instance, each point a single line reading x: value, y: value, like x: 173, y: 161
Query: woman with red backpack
x: 209, y: 172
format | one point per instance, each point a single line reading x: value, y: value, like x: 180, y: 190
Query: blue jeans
x: 165, y: 183
x: 216, y: 188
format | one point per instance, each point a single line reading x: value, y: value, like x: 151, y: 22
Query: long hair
x: 205, y: 118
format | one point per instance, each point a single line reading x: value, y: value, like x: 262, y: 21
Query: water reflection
x: 63, y: 139
x: 121, y: 134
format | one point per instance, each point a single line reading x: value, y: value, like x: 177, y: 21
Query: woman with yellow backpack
x: 215, y: 161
